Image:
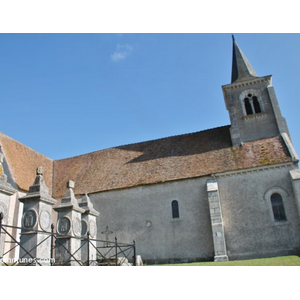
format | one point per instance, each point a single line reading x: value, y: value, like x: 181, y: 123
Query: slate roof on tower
x: 241, y: 67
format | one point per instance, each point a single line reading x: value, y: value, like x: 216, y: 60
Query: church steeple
x: 241, y: 68
x: 251, y: 102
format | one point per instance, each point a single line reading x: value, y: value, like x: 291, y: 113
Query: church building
x: 226, y: 193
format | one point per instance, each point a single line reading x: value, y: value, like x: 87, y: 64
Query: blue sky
x: 69, y: 94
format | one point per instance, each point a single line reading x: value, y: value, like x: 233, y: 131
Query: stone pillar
x: 6, y: 190
x: 88, y: 226
x: 216, y: 220
x: 68, y: 243
x: 295, y: 176
x: 37, y: 215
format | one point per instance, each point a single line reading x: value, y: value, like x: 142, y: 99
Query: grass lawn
x: 292, y: 260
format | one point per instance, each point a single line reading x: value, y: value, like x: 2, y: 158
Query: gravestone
x: 37, y: 216
x: 88, y: 226
x: 139, y: 261
x: 68, y: 242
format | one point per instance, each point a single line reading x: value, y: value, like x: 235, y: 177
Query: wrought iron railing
x: 105, y: 253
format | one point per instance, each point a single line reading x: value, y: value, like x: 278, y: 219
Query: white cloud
x: 121, y: 52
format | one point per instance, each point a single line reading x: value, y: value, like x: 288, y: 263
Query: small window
x: 252, y: 105
x: 278, y: 209
x: 175, y: 209
x: 248, y: 107
x: 256, y: 105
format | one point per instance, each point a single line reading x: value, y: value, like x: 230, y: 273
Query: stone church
x: 231, y: 192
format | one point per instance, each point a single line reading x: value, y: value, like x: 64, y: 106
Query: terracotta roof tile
x: 23, y: 162
x: 173, y: 158
x: 178, y: 157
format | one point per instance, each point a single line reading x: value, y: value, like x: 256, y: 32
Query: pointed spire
x: 241, y: 68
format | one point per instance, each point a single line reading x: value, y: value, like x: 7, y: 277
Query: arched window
x: 175, y: 209
x: 256, y: 105
x: 277, y: 206
x: 248, y: 107
x: 252, y: 105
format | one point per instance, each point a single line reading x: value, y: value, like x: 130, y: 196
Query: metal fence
x: 105, y: 253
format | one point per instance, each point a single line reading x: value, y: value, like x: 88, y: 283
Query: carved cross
x: 106, y: 232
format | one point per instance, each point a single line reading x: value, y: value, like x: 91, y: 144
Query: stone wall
x: 250, y: 229
x: 144, y: 214
x: 268, y: 123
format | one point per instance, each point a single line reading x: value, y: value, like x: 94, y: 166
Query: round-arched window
x: 175, y: 209
x: 277, y: 207
x: 252, y: 105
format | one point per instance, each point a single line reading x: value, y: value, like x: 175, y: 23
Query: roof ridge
x: 6, y: 136
x: 171, y: 136
x: 137, y: 143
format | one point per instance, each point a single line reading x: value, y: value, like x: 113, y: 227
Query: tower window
x: 256, y: 105
x: 252, y: 105
x: 175, y: 209
x: 278, y: 209
x: 248, y: 107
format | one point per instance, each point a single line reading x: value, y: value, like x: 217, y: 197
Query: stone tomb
x: 37, y: 216
x: 6, y: 190
x: 68, y: 242
x: 88, y: 227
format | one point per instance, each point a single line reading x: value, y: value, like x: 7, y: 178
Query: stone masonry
x: 216, y: 220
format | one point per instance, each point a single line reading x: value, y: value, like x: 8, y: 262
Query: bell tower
x: 251, y: 102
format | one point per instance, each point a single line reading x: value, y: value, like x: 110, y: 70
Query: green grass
x: 292, y: 260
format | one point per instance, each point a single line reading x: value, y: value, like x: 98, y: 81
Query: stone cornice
x: 254, y: 170
x: 246, y: 83
x: 35, y: 197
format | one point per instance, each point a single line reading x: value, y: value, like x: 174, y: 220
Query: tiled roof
x: 173, y: 158
x: 23, y: 162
